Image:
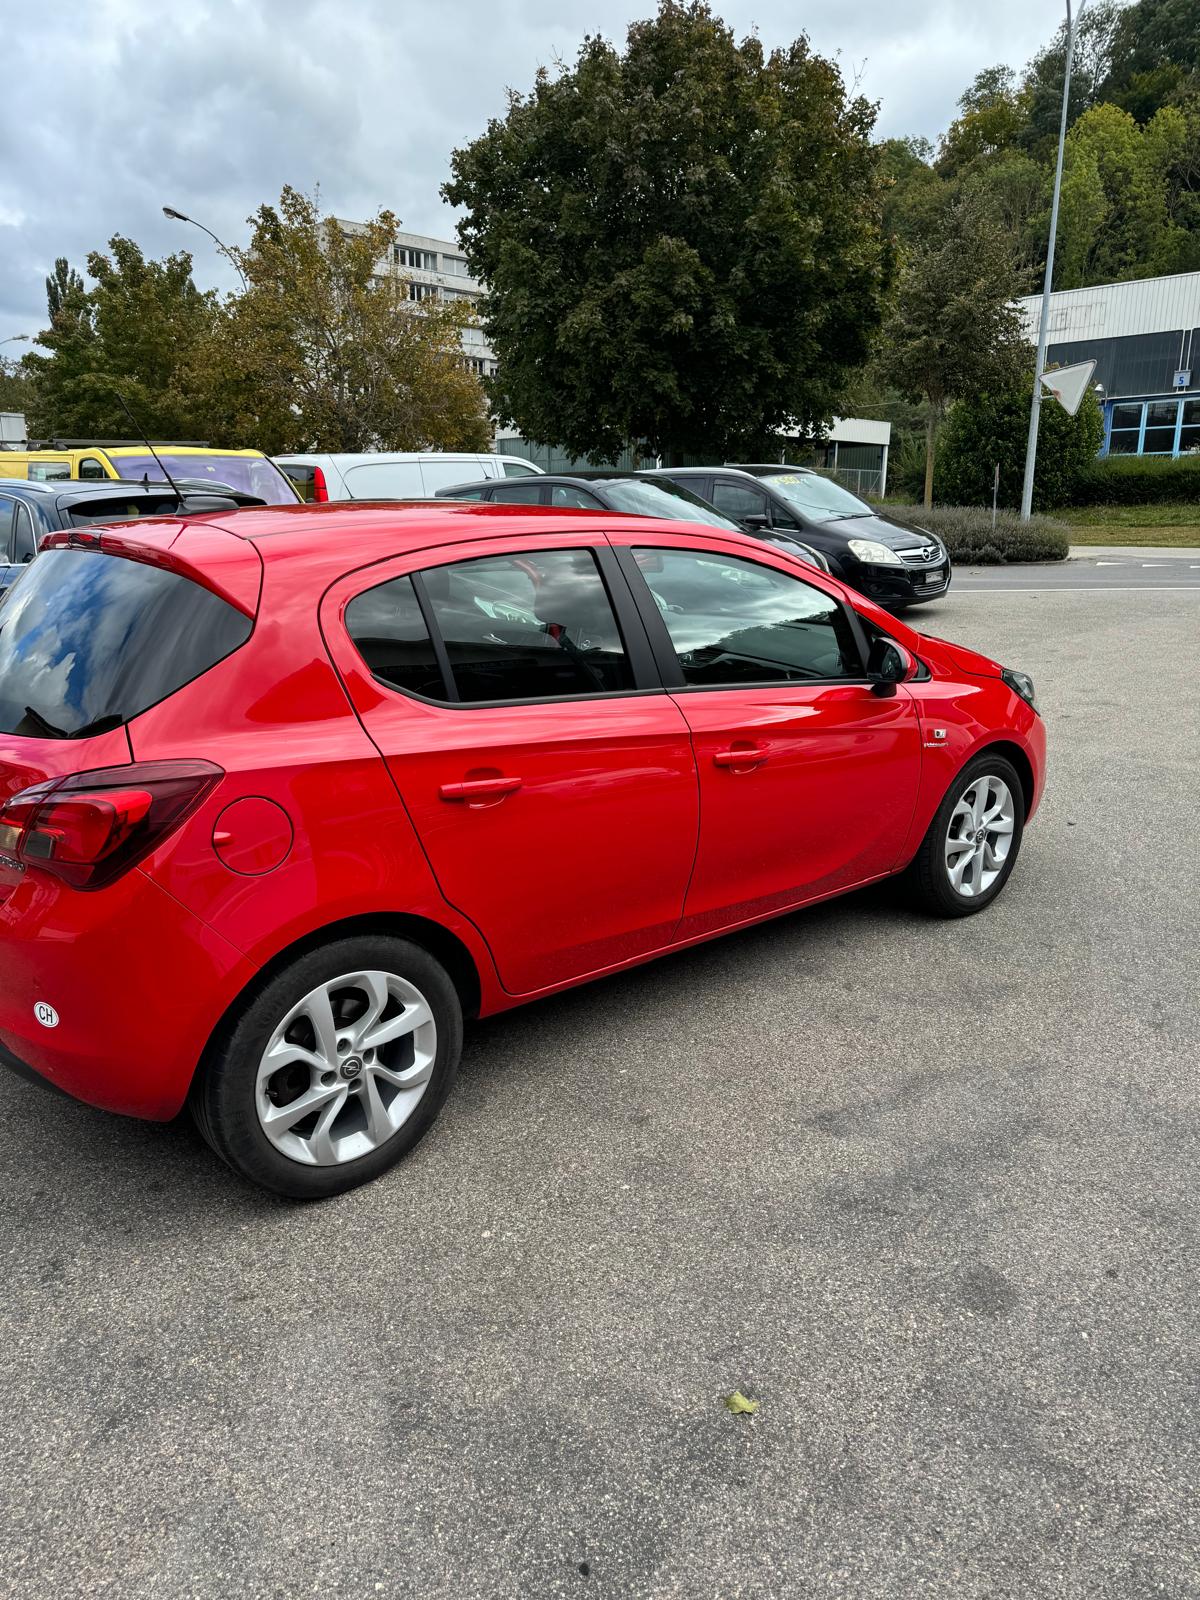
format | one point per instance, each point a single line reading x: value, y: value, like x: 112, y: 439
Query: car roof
x: 752, y: 469
x: 599, y: 475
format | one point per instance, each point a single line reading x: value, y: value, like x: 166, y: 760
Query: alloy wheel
x: 346, y: 1068
x: 980, y: 835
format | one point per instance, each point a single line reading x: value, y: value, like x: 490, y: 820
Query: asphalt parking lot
x: 928, y: 1191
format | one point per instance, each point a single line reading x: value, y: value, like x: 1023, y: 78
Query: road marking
x: 1077, y: 588
x: 1154, y: 563
x: 1112, y: 563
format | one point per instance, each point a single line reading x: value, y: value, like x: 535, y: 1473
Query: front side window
x: 738, y: 500
x: 565, y: 494
x: 8, y: 529
x: 661, y: 498
x: 519, y: 494
x: 735, y: 622
x: 92, y: 470
x: 531, y: 626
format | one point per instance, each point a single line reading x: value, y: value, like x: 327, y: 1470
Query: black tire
x: 926, y: 882
x: 222, y: 1099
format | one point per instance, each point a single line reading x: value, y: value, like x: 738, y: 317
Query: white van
x: 380, y: 475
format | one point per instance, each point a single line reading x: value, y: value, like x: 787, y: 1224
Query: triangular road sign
x: 1068, y: 385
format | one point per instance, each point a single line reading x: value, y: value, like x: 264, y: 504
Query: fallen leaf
x: 739, y: 1405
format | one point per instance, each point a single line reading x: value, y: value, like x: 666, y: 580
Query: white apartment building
x: 436, y: 268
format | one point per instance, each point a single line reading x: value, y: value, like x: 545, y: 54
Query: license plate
x: 935, y: 576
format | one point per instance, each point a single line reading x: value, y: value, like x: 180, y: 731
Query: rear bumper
x: 137, y: 983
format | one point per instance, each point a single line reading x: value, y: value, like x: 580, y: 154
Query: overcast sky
x: 212, y: 105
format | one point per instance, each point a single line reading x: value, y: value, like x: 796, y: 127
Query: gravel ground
x: 926, y: 1191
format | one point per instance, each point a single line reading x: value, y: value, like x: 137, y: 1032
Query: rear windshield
x: 88, y: 641
x: 251, y: 474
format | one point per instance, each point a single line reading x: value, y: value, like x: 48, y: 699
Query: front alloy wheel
x: 972, y: 843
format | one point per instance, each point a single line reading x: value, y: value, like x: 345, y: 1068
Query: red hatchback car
x: 271, y: 782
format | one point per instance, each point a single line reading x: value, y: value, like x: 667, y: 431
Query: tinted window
x: 734, y: 621
x: 91, y: 469
x: 88, y: 641
x: 738, y: 500
x: 25, y: 537
x: 563, y: 494
x: 532, y: 626
x: 514, y: 469
x: 302, y: 478
x: 478, y: 491
x: 518, y: 494
x: 387, y: 626
x: 8, y: 528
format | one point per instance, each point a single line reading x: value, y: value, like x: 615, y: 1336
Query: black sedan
x: 619, y: 491
x: 30, y: 510
x: 895, y: 564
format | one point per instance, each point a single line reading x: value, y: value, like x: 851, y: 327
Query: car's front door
x: 808, y: 778
x: 548, y: 774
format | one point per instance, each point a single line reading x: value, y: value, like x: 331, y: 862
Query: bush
x: 993, y: 428
x: 966, y: 531
x: 1139, y: 481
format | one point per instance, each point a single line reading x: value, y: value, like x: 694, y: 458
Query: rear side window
x: 88, y: 641
x: 518, y: 494
x: 531, y: 626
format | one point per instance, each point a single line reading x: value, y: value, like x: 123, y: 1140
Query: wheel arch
x: 1014, y: 754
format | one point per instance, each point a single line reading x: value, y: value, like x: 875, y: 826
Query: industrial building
x: 1141, y: 336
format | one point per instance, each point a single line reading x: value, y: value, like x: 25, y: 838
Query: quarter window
x: 387, y: 626
x: 736, y: 622
x: 8, y: 526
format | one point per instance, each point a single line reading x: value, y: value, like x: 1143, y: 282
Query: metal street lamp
x: 16, y: 338
x: 178, y: 216
x: 1040, y: 364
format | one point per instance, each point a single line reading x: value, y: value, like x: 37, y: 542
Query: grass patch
x: 1151, y: 524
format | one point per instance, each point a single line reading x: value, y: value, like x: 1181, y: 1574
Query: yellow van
x: 247, y: 471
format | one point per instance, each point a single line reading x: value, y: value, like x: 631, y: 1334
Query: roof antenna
x: 141, y: 433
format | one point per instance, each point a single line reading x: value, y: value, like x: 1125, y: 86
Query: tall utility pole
x: 1040, y: 365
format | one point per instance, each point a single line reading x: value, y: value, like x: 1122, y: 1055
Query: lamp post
x: 16, y: 338
x: 1040, y: 363
x: 178, y: 216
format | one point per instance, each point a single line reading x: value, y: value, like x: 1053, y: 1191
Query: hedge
x: 966, y: 531
x: 1139, y: 480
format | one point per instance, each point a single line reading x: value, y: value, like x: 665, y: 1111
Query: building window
x: 1158, y: 436
x: 420, y: 260
x: 1126, y: 433
x: 422, y: 291
x: 1189, y: 433
x: 455, y: 267
x: 1154, y: 427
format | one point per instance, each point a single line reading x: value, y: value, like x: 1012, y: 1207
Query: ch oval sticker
x: 46, y: 1014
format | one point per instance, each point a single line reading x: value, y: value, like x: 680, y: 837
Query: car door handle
x: 740, y: 755
x: 479, y: 788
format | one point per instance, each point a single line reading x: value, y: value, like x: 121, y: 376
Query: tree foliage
x: 992, y: 429
x: 131, y: 334
x: 954, y: 329
x: 320, y: 351
x: 323, y: 351
x: 681, y: 242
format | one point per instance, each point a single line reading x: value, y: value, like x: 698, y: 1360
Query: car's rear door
x: 509, y: 685
x: 808, y: 778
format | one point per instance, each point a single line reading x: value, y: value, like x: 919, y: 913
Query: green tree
x: 994, y: 112
x: 988, y: 430
x: 681, y: 242
x: 64, y: 290
x: 954, y: 328
x: 131, y: 333
x: 1095, y: 43
x: 16, y: 386
x: 915, y: 194
x: 1155, y: 52
x: 326, y: 351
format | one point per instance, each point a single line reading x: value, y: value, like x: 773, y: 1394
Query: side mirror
x: 888, y: 664
x: 756, y: 522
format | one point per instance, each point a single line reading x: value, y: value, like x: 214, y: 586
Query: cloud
x: 212, y: 107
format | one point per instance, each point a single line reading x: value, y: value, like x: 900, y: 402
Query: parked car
x: 243, y: 471
x: 378, y: 475
x: 616, y: 491
x: 284, y: 799
x: 28, y: 511
x: 897, y: 565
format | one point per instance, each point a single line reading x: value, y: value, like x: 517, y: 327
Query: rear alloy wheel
x: 335, y: 1070
x: 972, y: 843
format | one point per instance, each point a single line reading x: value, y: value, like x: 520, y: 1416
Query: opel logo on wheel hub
x: 351, y: 1067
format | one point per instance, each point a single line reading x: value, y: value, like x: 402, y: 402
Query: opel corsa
x: 288, y: 793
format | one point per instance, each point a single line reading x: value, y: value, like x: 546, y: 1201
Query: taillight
x: 320, y: 487
x: 91, y: 827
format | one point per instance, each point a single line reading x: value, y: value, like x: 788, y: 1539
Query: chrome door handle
x: 479, y: 788
x: 745, y: 755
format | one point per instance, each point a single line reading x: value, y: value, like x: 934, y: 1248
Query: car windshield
x: 646, y: 499
x: 820, y: 499
x: 250, y: 474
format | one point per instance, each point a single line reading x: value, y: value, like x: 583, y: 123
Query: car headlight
x: 874, y: 554
x: 1020, y: 683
